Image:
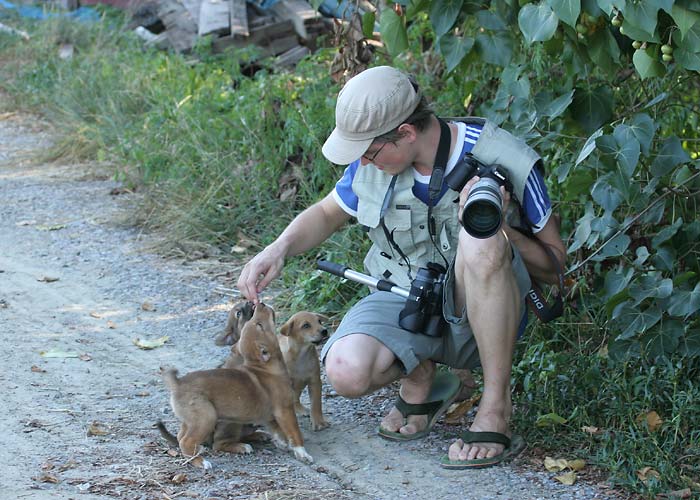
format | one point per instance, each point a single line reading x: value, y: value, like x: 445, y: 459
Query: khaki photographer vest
x: 407, y: 216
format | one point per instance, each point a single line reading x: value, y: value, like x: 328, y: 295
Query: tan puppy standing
x: 257, y: 392
x: 298, y: 339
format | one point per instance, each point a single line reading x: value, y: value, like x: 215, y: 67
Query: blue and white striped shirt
x: 536, y: 203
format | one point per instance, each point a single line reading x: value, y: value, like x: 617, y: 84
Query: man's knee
x: 483, y: 257
x: 350, y: 378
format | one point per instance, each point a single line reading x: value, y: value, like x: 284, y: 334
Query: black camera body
x: 423, y: 310
x: 483, y: 211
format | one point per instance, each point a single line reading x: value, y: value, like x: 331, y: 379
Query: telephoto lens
x: 482, y: 212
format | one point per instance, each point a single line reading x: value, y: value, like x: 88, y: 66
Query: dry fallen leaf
x: 568, y: 478
x: 652, y: 419
x: 172, y: 453
x: 57, y: 353
x: 555, y: 465
x: 457, y: 411
x: 150, y: 344
x: 684, y: 493
x: 37, y: 369
x: 142, y: 394
x: 646, y: 473
x: 591, y: 430
x: 147, y: 306
x: 95, y: 315
x: 85, y: 357
x: 47, y: 279
x: 111, y: 325
x: 48, y: 478
x: 95, y: 430
x: 54, y: 227
x: 179, y: 478
x: 577, y: 464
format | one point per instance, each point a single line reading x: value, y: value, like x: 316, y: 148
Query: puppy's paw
x: 206, y: 465
x: 246, y: 449
x: 280, y: 442
x: 301, y: 454
x: 300, y: 409
x: 320, y: 424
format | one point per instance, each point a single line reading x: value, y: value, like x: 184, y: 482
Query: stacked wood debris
x: 287, y: 28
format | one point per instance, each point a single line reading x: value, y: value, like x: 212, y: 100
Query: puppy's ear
x: 322, y: 317
x: 287, y: 328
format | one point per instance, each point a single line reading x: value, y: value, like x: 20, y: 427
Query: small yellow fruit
x: 580, y: 28
x: 667, y: 49
x: 622, y: 31
x: 667, y: 57
x: 616, y: 21
x: 637, y: 44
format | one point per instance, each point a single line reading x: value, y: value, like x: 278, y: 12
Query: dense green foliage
x: 227, y: 160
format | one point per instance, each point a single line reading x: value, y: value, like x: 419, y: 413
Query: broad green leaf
x: 689, y: 60
x: 670, y: 155
x: 589, y: 146
x: 454, y: 49
x: 656, y: 100
x: 613, y: 247
x: 663, y: 340
x: 537, y: 23
x: 582, y: 233
x: 393, y: 32
x: 606, y: 195
x: 495, y: 48
x: 443, y: 14
x: 690, y: 41
x: 666, y: 233
x: 490, y: 20
x: 558, y: 105
x: 616, y: 281
x: 368, y: 19
x: 642, y: 256
x: 604, y: 50
x: 642, y: 15
x: 566, y: 10
x: 634, y: 33
x: 592, y: 107
x: 689, y: 344
x: 646, y: 63
x: 664, y: 259
x: 685, y: 303
x: 650, y: 286
x: 684, y: 277
x: 635, y: 321
x: 607, y: 5
x: 684, y: 18
x: 643, y: 128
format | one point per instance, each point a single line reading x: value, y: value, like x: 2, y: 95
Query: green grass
x: 209, y: 148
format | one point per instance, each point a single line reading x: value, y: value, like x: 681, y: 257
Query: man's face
x: 389, y: 157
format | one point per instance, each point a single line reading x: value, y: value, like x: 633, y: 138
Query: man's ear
x: 408, y: 132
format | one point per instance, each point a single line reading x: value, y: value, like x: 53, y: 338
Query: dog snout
x: 324, y: 333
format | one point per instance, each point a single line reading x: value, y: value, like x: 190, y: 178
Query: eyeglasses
x: 375, y: 154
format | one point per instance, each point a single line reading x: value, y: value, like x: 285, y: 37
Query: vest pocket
x: 398, y: 225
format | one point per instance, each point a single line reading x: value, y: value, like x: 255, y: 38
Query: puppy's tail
x: 170, y: 377
x: 166, y: 434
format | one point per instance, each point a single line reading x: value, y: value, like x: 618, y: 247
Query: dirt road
x: 78, y: 287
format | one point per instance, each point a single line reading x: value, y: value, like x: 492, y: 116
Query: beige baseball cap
x: 370, y: 104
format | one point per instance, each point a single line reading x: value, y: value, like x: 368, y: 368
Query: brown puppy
x: 237, y: 317
x: 298, y: 339
x: 257, y: 392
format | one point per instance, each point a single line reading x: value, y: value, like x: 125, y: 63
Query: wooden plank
x: 193, y: 7
x: 239, y: 18
x: 275, y: 38
x: 181, y: 29
x: 297, y: 11
x: 214, y: 17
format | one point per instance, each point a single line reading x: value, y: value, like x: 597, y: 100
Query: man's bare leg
x: 486, y: 284
x: 357, y: 365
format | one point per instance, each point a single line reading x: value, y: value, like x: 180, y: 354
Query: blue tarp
x: 35, y: 12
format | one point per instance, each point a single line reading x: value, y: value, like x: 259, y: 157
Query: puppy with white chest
x: 257, y: 392
x: 298, y: 339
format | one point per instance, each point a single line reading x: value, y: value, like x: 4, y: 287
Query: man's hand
x: 260, y: 271
x: 464, y: 194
